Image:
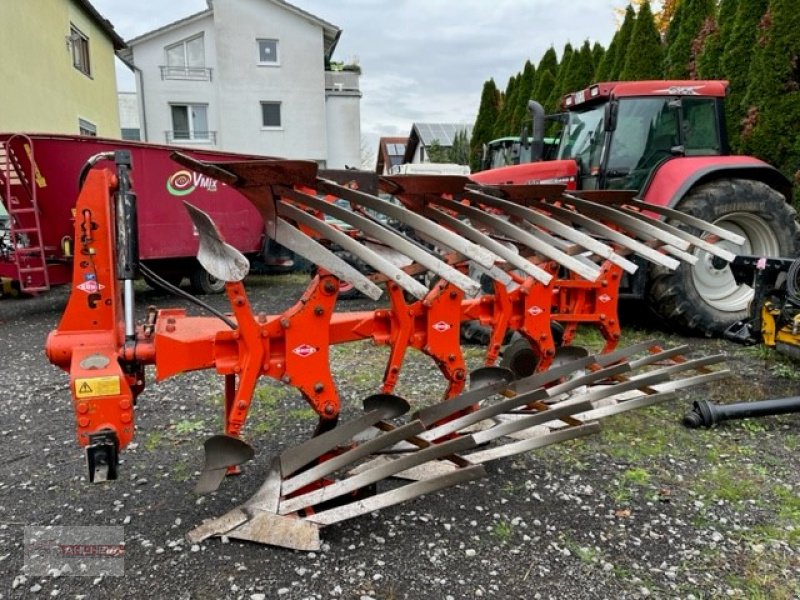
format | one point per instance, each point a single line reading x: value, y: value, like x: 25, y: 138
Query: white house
x: 249, y: 76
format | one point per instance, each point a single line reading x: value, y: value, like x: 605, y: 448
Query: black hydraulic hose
x: 707, y: 414
x: 167, y: 286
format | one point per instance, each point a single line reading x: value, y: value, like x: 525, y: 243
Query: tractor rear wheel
x: 704, y: 299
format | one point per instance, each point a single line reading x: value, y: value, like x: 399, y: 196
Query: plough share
x: 555, y: 260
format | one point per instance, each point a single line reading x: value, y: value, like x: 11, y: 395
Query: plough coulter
x: 555, y: 260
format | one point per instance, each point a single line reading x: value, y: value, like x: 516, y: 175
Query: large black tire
x: 202, y: 282
x: 704, y: 299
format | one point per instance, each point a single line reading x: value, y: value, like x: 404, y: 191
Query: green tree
x: 524, y: 93
x: 581, y: 69
x: 503, y: 122
x: 598, y: 52
x: 436, y: 152
x: 459, y: 151
x: 773, y: 99
x: 605, y: 69
x: 737, y: 60
x: 559, y: 89
x: 545, y: 82
x: 543, y: 85
x: 687, y: 24
x: 549, y: 61
x: 623, y: 44
x: 709, y: 62
x: 484, y: 122
x: 645, y: 60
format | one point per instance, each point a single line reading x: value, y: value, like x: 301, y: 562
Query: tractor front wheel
x: 704, y: 299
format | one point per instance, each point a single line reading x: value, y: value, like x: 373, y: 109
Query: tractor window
x: 700, y: 131
x: 583, y: 138
x: 646, y: 132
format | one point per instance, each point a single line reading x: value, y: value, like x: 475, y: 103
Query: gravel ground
x: 646, y: 508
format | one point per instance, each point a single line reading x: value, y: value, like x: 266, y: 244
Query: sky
x: 421, y: 60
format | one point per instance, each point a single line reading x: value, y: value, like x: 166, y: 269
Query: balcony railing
x: 192, y: 73
x: 199, y: 137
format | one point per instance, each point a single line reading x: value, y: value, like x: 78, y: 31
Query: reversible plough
x: 553, y: 258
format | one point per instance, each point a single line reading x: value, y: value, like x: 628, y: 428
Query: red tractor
x: 666, y: 140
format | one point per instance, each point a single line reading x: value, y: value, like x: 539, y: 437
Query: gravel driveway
x: 646, y: 508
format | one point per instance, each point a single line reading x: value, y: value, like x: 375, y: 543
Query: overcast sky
x: 421, y: 60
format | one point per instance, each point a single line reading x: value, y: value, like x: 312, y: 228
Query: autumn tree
x: 709, y: 61
x: 646, y: 56
x: 482, y: 131
x: 687, y: 23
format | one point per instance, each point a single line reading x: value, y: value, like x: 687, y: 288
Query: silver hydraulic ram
x: 127, y: 238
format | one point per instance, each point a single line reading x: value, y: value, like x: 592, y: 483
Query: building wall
x: 343, y: 119
x: 156, y: 93
x: 129, y: 122
x: 41, y: 90
x: 297, y: 82
x: 239, y: 84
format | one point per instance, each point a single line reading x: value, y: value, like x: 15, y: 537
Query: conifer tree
x: 545, y: 82
x: 598, y: 52
x: 554, y: 99
x: 524, y: 93
x: 737, y: 59
x: 581, y: 69
x: 503, y: 121
x: 482, y: 131
x: 709, y: 62
x: 605, y: 69
x: 549, y: 61
x: 623, y: 43
x: 773, y: 99
x: 690, y: 17
x: 646, y: 56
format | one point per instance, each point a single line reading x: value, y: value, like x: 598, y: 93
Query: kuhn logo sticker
x: 605, y: 298
x: 535, y: 311
x: 681, y: 90
x: 304, y: 350
x: 184, y: 182
x: 90, y: 287
x: 441, y: 326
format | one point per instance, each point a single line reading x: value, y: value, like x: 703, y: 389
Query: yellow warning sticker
x: 90, y: 387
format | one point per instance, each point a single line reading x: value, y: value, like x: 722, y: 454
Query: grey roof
x: 441, y: 132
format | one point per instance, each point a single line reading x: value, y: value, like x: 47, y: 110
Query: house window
x: 87, y: 128
x: 270, y: 114
x: 186, y: 60
x: 80, y: 50
x: 267, y: 52
x: 131, y: 133
x: 189, y: 122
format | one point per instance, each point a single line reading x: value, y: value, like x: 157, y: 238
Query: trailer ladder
x: 18, y: 190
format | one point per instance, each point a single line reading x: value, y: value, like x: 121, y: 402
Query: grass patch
x: 188, y: 426
x: 736, y: 483
x: 503, y: 530
x: 152, y: 441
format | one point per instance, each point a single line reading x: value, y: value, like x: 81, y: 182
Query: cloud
x: 422, y: 60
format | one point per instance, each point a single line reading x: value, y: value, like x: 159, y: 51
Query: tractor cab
x: 619, y: 133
